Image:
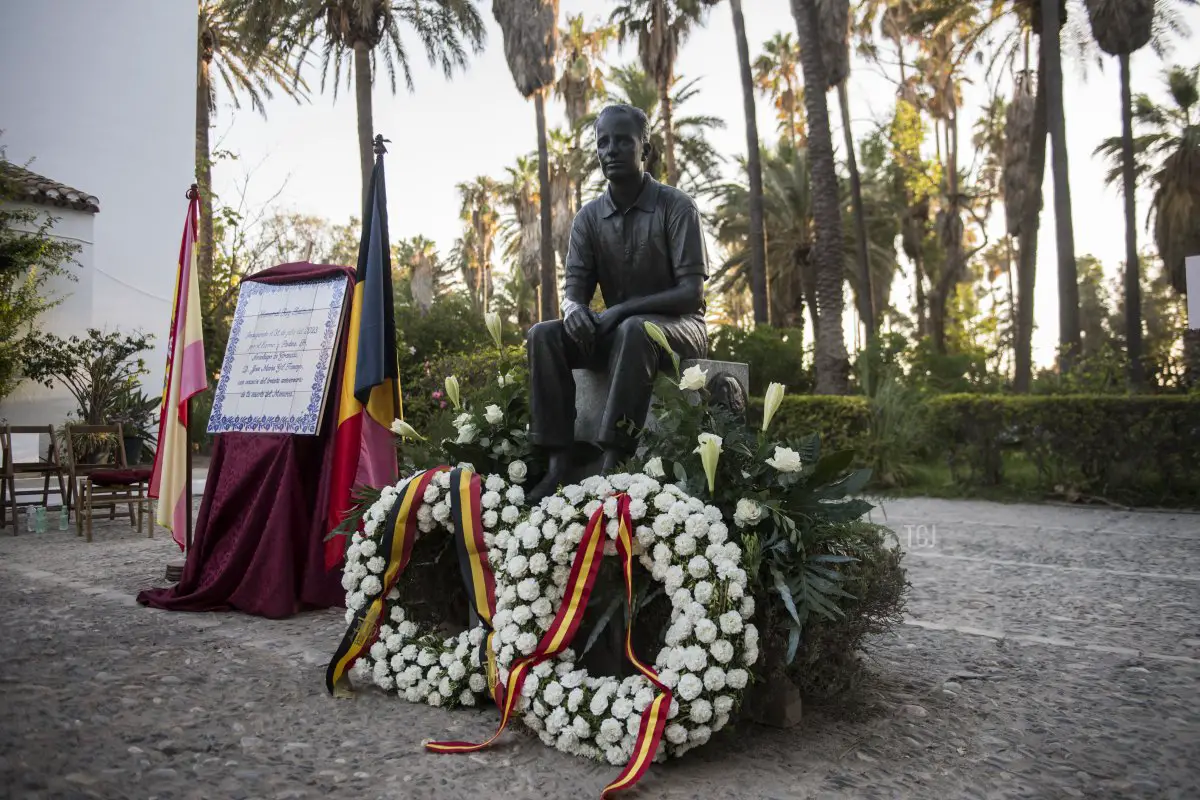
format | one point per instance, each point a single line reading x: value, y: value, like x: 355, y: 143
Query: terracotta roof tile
x: 34, y: 188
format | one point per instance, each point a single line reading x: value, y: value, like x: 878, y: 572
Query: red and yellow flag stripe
x: 654, y: 718
x: 562, y: 631
x: 556, y: 639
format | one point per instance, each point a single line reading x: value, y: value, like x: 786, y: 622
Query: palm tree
x: 1168, y: 153
x: 1053, y: 17
x: 661, y: 27
x: 777, y: 73
x: 832, y: 362
x: 479, y: 211
x: 356, y: 34
x: 1122, y: 27
x: 581, y: 81
x: 245, y: 60
x: 790, y: 236
x: 530, y: 44
x: 758, y: 264
x: 698, y: 162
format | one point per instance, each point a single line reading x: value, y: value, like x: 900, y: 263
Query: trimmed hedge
x: 1140, y: 450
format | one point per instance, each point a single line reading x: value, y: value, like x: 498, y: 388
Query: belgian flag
x: 369, y: 400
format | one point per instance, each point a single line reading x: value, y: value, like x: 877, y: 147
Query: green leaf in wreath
x: 793, y: 644
x: 785, y: 594
x: 831, y: 466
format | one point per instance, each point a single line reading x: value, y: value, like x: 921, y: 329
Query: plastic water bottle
x: 40, y: 517
x: 63, y: 518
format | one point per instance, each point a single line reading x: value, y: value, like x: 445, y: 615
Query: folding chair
x: 106, y: 483
x: 47, y: 466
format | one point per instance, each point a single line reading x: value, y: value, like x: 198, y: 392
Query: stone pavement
x: 1050, y: 652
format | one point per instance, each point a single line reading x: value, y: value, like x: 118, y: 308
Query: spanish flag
x: 185, y: 377
x: 369, y: 400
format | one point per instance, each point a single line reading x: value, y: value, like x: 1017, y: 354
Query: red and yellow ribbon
x: 396, y: 546
x: 560, y: 634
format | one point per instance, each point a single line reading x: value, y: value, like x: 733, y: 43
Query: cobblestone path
x: 1050, y: 652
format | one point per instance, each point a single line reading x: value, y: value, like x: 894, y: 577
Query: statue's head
x: 622, y: 141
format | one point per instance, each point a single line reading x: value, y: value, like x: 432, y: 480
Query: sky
x: 304, y: 158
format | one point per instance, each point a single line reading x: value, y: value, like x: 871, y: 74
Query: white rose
x: 493, y: 414
x: 693, y: 378
x: 785, y: 460
x: 466, y: 434
x: 518, y: 471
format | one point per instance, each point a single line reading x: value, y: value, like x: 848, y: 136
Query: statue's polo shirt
x: 642, y: 252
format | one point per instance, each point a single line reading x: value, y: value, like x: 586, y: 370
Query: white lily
x: 771, y: 403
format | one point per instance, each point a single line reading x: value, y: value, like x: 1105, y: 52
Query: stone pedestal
x: 591, y: 391
x: 775, y: 702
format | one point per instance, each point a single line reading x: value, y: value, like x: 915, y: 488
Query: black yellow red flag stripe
x: 400, y: 531
x: 466, y: 513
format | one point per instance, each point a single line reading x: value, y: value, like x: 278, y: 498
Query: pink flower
x: 442, y: 404
x: 437, y: 394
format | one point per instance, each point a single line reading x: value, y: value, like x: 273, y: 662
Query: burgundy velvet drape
x: 258, y: 544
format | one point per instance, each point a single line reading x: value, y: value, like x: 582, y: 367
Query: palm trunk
x: 922, y: 300
x: 549, y: 289
x: 832, y: 362
x: 366, y: 121
x: 204, y: 255
x: 758, y: 255
x: 1068, y: 283
x: 1027, y: 261
x: 664, y: 99
x: 866, y: 301
x: 1133, y: 287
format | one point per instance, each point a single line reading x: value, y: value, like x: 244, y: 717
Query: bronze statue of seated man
x: 641, y: 242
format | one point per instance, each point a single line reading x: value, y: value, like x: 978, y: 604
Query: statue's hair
x: 639, y: 119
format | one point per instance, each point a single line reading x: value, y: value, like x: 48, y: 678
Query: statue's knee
x: 633, y: 329
x: 542, y: 332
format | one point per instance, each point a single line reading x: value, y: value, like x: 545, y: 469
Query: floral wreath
x: 533, y: 553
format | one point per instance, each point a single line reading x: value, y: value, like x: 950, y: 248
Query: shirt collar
x: 647, y: 199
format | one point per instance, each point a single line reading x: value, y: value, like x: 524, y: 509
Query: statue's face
x: 619, y: 146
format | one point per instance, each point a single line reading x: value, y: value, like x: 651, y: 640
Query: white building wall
x: 102, y: 96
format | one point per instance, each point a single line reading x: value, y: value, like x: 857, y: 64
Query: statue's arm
x: 580, y: 268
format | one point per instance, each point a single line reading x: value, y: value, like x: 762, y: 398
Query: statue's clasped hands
x: 585, y: 326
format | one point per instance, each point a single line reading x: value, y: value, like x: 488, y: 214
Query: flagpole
x: 187, y: 538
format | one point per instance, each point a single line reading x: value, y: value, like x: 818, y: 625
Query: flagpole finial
x: 193, y: 192
x: 379, y: 148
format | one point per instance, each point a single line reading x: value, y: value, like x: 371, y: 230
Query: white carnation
x: 690, y: 687
x: 510, y: 514
x: 367, y: 548
x: 737, y: 678
x: 696, y: 658
x: 676, y: 733
x: 714, y: 679
x: 553, y: 693
x: 538, y: 563
x: 376, y: 564
x: 698, y: 567
x: 701, y: 711
x: 515, y: 494
x: 706, y: 631
x: 526, y: 642
x: 622, y: 707
x: 722, y: 651
x: 731, y: 622
x: 477, y: 682
x: 528, y: 590
x: 517, y: 565
x: 490, y: 499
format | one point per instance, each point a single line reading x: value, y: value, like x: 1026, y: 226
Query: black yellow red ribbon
x: 466, y: 514
x: 560, y: 634
x: 400, y: 531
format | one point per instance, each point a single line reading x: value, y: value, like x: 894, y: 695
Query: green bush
x: 1137, y: 450
x: 844, y: 423
x: 775, y: 355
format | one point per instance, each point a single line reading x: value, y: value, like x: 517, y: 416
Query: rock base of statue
x: 592, y: 387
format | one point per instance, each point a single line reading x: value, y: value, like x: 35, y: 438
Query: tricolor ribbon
x: 466, y: 513
x: 560, y: 634
x: 396, y: 546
